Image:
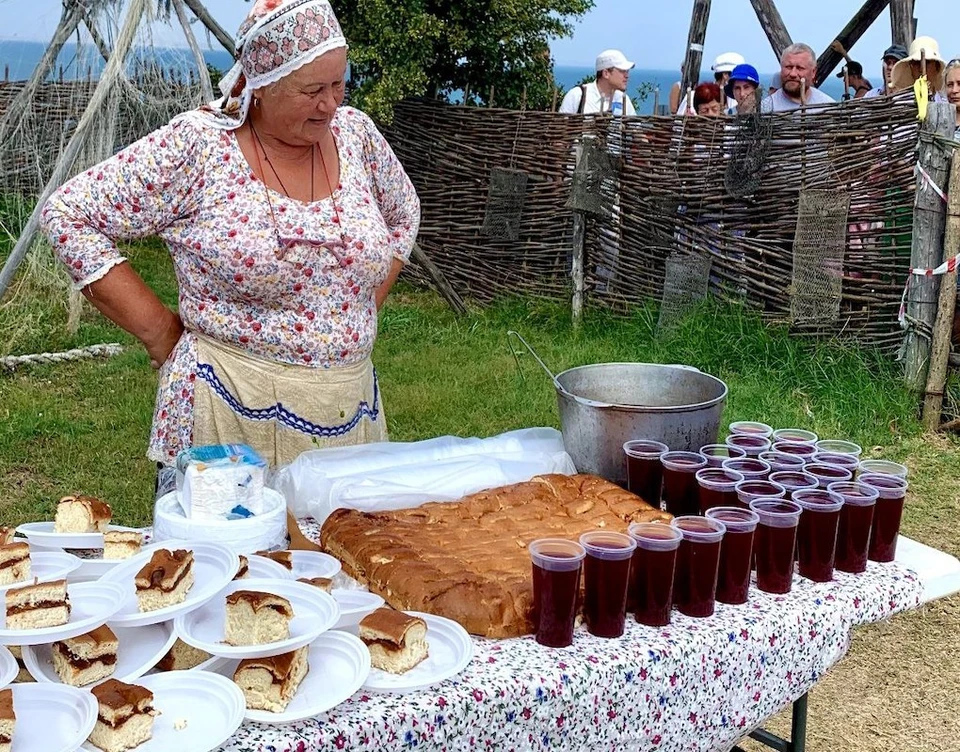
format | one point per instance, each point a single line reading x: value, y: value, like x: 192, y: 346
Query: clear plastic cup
x: 556, y: 589
x: 718, y: 487
x: 838, y: 446
x: 748, y: 490
x: 794, y: 480
x: 887, y: 515
x: 796, y: 449
x: 652, y: 571
x: 698, y: 561
x: 848, y: 461
x: 827, y: 474
x: 774, y: 543
x: 681, y: 494
x: 817, y: 532
x: 751, y: 428
x: 856, y: 523
x: 795, y: 436
x: 606, y: 577
x: 750, y: 468
x: 883, y: 467
x: 780, y: 462
x: 715, y: 454
x: 736, y: 552
x: 644, y: 471
x: 752, y: 444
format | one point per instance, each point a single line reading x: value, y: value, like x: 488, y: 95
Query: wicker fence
x: 715, y: 198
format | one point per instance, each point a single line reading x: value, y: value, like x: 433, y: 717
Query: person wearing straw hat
x: 605, y: 94
x: 907, y: 71
x: 288, y: 217
x: 891, y: 56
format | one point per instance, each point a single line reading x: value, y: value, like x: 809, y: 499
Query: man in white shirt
x: 605, y: 95
x: 798, y: 63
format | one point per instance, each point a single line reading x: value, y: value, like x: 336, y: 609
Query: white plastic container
x: 243, y: 536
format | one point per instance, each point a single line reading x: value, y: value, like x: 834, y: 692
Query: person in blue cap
x: 891, y: 56
x: 742, y: 86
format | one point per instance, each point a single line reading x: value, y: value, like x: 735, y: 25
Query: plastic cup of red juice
x: 698, y: 562
x: 837, y: 446
x: 606, y: 577
x: 556, y: 589
x: 780, y: 462
x: 883, y: 467
x: 795, y: 449
x: 644, y: 471
x: 793, y: 480
x: 886, y: 515
x: 774, y: 543
x: 652, y: 571
x: 736, y: 552
x: 856, y: 522
x: 849, y: 461
x: 681, y: 494
x: 827, y: 474
x: 749, y: 467
x: 748, y: 490
x: 749, y: 443
x: 817, y: 532
x: 715, y: 454
x: 751, y: 428
x: 795, y: 436
x: 718, y: 487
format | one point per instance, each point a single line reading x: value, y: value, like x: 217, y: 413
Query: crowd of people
x: 736, y: 88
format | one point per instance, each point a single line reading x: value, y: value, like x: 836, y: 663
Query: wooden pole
x: 695, y: 39
x: 577, y: 267
x: 772, y: 24
x: 943, y: 328
x: 212, y: 26
x: 901, y: 22
x: 925, y: 253
x: 206, y: 86
x: 850, y: 34
x: 443, y: 286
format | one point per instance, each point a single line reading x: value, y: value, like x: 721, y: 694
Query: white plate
x: 46, y: 566
x: 91, y: 604
x: 52, y: 717
x: 8, y: 667
x: 451, y: 651
x: 140, y: 649
x: 211, y: 705
x: 354, y: 605
x: 94, y: 569
x: 313, y: 564
x: 339, y: 664
x: 262, y: 568
x: 213, y: 568
x: 42, y: 534
x: 314, y: 612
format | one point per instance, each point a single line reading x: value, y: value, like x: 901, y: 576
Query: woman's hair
x: 951, y: 66
x: 706, y: 93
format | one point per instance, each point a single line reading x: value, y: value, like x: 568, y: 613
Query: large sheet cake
x: 468, y: 560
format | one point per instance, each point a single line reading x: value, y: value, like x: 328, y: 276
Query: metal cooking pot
x: 604, y: 405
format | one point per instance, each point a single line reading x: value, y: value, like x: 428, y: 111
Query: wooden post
x: 943, y: 329
x: 772, y: 24
x: 6, y: 73
x: 490, y: 98
x: 205, y: 86
x: 212, y: 26
x: 850, y: 34
x: 577, y: 267
x: 695, y: 39
x: 925, y: 253
x: 443, y: 286
x: 901, y: 22
x: 656, y: 101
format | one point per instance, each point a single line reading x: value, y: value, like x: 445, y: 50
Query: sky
x: 653, y: 37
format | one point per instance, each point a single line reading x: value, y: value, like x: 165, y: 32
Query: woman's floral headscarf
x: 277, y: 38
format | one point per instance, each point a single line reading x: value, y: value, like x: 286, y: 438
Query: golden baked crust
x: 468, y: 560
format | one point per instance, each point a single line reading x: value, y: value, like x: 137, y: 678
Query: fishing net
x: 750, y: 138
x: 594, y: 186
x: 685, y: 284
x: 508, y: 190
x: 818, y: 251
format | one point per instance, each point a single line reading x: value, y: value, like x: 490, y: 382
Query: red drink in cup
x: 644, y: 471
x: 886, y: 515
x: 848, y: 461
x: 698, y: 561
x: 817, y: 533
x: 793, y: 480
x: 681, y: 494
x: 752, y: 445
x: 827, y: 474
x: 856, y: 522
x: 804, y: 451
x: 748, y: 467
x: 794, y: 436
x: 556, y: 589
x: 652, y: 571
x: 749, y: 490
x: 883, y: 467
x: 837, y: 446
x: 780, y: 462
x: 715, y: 454
x: 606, y: 576
x: 774, y: 543
x: 736, y: 552
x: 718, y: 487
x: 751, y: 428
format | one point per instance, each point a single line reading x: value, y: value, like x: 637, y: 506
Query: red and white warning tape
x: 950, y: 265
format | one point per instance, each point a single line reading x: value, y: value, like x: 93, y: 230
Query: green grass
x: 83, y: 426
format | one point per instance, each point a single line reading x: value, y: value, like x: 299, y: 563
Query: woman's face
x: 953, y: 85
x: 743, y: 90
x: 709, y: 109
x: 300, y: 106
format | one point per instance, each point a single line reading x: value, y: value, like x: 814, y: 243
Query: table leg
x: 798, y: 731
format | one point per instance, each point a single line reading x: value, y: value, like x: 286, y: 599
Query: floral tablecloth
x: 697, y: 685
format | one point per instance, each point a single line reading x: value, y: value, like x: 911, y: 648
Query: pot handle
x: 517, y: 354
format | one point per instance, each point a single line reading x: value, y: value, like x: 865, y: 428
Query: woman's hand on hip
x: 161, y: 344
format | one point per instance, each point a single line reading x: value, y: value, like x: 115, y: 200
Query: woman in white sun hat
x: 907, y: 71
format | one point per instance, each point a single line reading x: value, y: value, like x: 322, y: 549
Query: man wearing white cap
x: 607, y: 94
x: 722, y: 67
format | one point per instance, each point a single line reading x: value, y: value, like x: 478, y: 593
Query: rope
x: 12, y: 362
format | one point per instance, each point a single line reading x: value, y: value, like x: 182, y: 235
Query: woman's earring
x: 256, y: 101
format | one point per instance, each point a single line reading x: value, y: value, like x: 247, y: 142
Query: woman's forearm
x: 395, y: 268
x: 124, y: 298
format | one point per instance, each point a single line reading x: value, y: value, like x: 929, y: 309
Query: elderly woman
x: 952, y: 88
x: 288, y: 218
x: 708, y: 100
